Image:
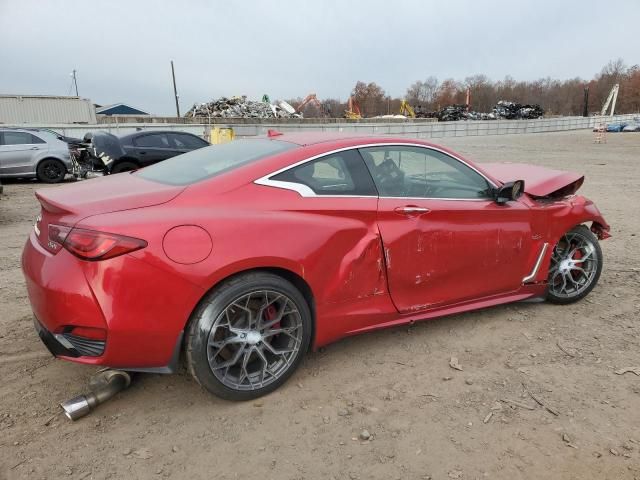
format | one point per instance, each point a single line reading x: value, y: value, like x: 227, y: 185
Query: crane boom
x: 611, y: 99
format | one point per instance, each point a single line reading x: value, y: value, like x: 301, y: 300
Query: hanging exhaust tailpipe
x: 104, y: 385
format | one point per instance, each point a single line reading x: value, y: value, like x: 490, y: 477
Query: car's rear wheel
x: 124, y: 167
x: 51, y: 170
x: 576, y: 264
x: 248, y: 336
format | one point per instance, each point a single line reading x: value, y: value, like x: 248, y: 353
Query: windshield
x: 210, y: 161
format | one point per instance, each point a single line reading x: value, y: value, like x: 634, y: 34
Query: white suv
x: 33, y: 153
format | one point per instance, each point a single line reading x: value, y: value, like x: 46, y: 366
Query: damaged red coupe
x: 239, y: 257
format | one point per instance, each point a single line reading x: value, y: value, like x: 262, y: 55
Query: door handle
x: 34, y: 148
x: 411, y: 210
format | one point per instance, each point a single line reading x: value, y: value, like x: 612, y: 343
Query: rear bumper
x: 142, y: 309
x: 56, y: 348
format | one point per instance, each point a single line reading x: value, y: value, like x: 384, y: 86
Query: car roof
x: 313, y: 137
x: 346, y: 139
x: 145, y: 132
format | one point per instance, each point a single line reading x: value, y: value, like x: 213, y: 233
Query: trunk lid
x: 538, y: 181
x: 68, y: 204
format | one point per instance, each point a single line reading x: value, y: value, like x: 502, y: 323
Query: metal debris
x: 503, y: 110
x: 240, y: 107
x: 513, y: 111
x: 453, y: 113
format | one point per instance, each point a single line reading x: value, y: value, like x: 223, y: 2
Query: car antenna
x: 273, y: 133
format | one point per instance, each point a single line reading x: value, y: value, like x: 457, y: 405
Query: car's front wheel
x: 248, y: 336
x: 51, y: 170
x: 576, y: 264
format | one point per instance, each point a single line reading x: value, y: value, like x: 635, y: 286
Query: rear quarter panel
x: 332, y: 243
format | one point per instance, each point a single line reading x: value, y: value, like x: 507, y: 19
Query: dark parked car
x: 145, y: 148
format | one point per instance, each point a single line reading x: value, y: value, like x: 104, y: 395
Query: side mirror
x: 509, y: 191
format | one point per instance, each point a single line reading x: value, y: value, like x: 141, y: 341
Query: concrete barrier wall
x: 415, y: 129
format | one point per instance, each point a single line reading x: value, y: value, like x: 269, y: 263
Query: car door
x: 150, y: 148
x: 446, y: 241
x: 185, y: 142
x: 336, y: 204
x: 17, y: 151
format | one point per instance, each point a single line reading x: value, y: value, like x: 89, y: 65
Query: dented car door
x: 445, y: 239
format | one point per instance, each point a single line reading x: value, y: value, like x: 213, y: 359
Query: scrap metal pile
x: 240, y: 107
x: 453, y: 113
x: 503, y: 110
x: 516, y: 111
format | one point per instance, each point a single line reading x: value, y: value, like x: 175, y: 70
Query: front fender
x: 575, y: 211
x: 565, y: 215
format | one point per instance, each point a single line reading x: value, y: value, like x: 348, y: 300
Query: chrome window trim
x: 305, y: 191
x: 536, y: 266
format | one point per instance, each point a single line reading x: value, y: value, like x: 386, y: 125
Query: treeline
x: 557, y: 97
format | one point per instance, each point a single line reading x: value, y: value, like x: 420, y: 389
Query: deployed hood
x: 538, y: 181
x: 106, y: 147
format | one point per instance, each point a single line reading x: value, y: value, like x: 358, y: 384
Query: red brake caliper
x: 577, y: 256
x: 270, y: 314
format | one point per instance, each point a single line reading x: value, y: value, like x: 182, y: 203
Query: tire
x: 251, y: 360
x: 577, y: 261
x: 124, y: 167
x: 51, y: 170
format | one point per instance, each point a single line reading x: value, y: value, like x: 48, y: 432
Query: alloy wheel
x: 574, y: 265
x: 254, y: 340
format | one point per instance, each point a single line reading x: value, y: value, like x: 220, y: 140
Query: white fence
x: 414, y: 129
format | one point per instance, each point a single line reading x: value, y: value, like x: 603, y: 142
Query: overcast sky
x: 121, y: 49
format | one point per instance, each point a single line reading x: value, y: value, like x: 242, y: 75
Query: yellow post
x: 221, y: 135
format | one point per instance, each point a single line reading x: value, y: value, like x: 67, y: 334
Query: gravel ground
x: 424, y: 419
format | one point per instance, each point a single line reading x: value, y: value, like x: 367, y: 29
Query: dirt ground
x: 426, y: 420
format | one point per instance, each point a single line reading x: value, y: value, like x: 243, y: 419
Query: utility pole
x: 585, y: 110
x: 175, y: 90
x: 75, y: 81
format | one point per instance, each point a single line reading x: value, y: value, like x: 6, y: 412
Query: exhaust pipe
x: 104, y: 385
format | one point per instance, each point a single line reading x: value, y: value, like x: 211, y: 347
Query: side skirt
x: 525, y: 293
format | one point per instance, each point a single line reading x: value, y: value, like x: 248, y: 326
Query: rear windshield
x: 208, y: 162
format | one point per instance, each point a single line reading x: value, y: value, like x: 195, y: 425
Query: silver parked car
x: 33, y: 153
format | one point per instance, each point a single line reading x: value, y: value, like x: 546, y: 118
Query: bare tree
x: 371, y: 98
x: 423, y: 92
x: 560, y: 97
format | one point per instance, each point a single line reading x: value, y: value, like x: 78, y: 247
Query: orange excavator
x: 353, y: 111
x: 311, y: 98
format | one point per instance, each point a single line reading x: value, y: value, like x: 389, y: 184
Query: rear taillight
x: 90, y: 244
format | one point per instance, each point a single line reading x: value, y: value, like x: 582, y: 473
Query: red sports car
x: 244, y: 255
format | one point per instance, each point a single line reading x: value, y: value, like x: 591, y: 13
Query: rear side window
x: 182, y: 140
x: 155, y: 140
x: 342, y: 173
x: 19, y: 138
x: 211, y: 161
